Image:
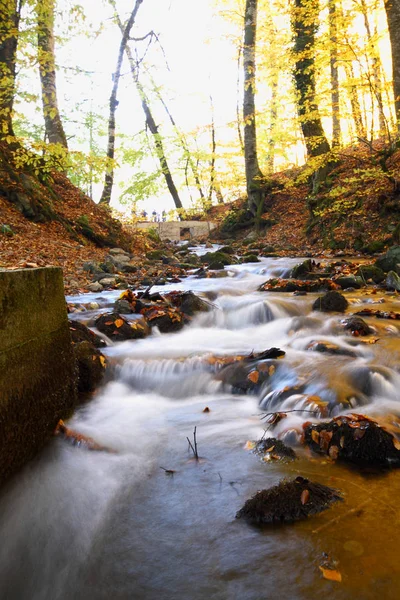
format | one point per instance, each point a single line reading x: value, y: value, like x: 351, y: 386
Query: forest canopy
x: 146, y: 101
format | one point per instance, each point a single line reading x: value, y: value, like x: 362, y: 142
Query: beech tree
x: 10, y: 14
x: 109, y: 177
x: 254, y: 176
x: 305, y: 26
x: 47, y: 69
x: 393, y: 17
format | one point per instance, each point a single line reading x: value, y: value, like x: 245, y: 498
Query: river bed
x: 98, y: 525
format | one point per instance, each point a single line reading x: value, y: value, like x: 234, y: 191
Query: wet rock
x: 296, y: 285
x: 301, y: 270
x: 248, y: 374
x: 331, y: 302
x: 188, y: 302
x: 379, y: 314
x: 168, y: 319
x: 117, y: 251
x: 354, y: 438
x: 123, y: 307
x: 81, y: 333
x: 357, y: 326
x: 390, y: 261
x: 271, y: 449
x: 370, y: 272
x: 216, y: 266
x: 393, y: 281
x: 95, y: 287
x: 349, y: 281
x: 330, y: 348
x: 227, y: 250
x: 91, y: 366
x: 108, y: 281
x: 217, y: 257
x: 155, y: 254
x: 250, y: 258
x: 287, y: 502
x: 117, y: 328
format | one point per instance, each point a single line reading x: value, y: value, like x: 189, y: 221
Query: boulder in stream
x: 272, y: 449
x: 393, y: 281
x: 332, y: 301
x: 357, y: 326
x: 117, y: 328
x: 287, y: 502
x: 354, y: 438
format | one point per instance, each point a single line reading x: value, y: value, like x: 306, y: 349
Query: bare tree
x: 109, y: 177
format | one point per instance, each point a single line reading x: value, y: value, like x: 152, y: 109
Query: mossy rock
x: 155, y: 254
x: 301, y: 270
x: 217, y: 257
x: 250, y: 258
x: 390, y: 260
x: 367, y: 272
x: 374, y: 247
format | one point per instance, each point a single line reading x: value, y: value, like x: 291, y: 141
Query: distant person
x: 154, y: 214
x: 144, y: 215
x: 164, y: 215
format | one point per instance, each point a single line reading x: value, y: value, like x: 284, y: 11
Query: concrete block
x: 37, y: 366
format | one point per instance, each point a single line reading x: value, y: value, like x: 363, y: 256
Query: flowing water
x: 77, y: 524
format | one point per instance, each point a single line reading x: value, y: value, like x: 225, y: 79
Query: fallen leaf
x: 315, y: 436
x: 305, y: 496
x: 331, y: 574
x: 119, y: 323
x: 102, y: 360
x: 206, y: 410
x: 333, y: 452
x: 253, y: 376
x: 250, y: 445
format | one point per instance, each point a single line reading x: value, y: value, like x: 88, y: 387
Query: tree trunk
x: 109, y: 178
x: 10, y: 13
x: 304, y: 26
x: 393, y: 16
x: 238, y: 119
x: 47, y: 69
x: 376, y: 84
x: 272, y: 124
x: 254, y: 177
x: 354, y: 102
x: 335, y: 98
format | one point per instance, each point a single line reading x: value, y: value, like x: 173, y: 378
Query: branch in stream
x: 193, y: 446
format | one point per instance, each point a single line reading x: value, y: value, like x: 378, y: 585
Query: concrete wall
x: 37, y: 368
x: 172, y: 230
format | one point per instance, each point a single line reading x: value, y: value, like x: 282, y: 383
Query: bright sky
x: 200, y: 59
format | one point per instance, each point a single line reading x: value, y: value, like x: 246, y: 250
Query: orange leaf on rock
x: 253, y: 376
x: 305, y: 496
x: 118, y: 323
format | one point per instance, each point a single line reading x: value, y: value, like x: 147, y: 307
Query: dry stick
x: 336, y: 519
x: 194, y: 448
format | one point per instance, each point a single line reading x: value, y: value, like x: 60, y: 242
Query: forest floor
x: 357, y: 210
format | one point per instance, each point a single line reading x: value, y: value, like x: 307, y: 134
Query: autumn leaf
x: 118, y: 323
x: 206, y: 410
x: 331, y: 574
x: 253, y: 376
x: 305, y: 496
x: 250, y: 445
x: 102, y: 360
x: 315, y: 436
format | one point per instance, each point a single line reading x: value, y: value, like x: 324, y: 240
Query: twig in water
x: 168, y: 471
x: 193, y: 446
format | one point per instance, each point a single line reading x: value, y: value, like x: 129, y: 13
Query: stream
x: 77, y: 524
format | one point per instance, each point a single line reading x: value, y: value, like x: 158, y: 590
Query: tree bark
x: 304, y: 26
x: 109, y: 177
x: 254, y: 176
x: 10, y: 13
x: 47, y: 69
x: 335, y: 97
x: 393, y: 17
